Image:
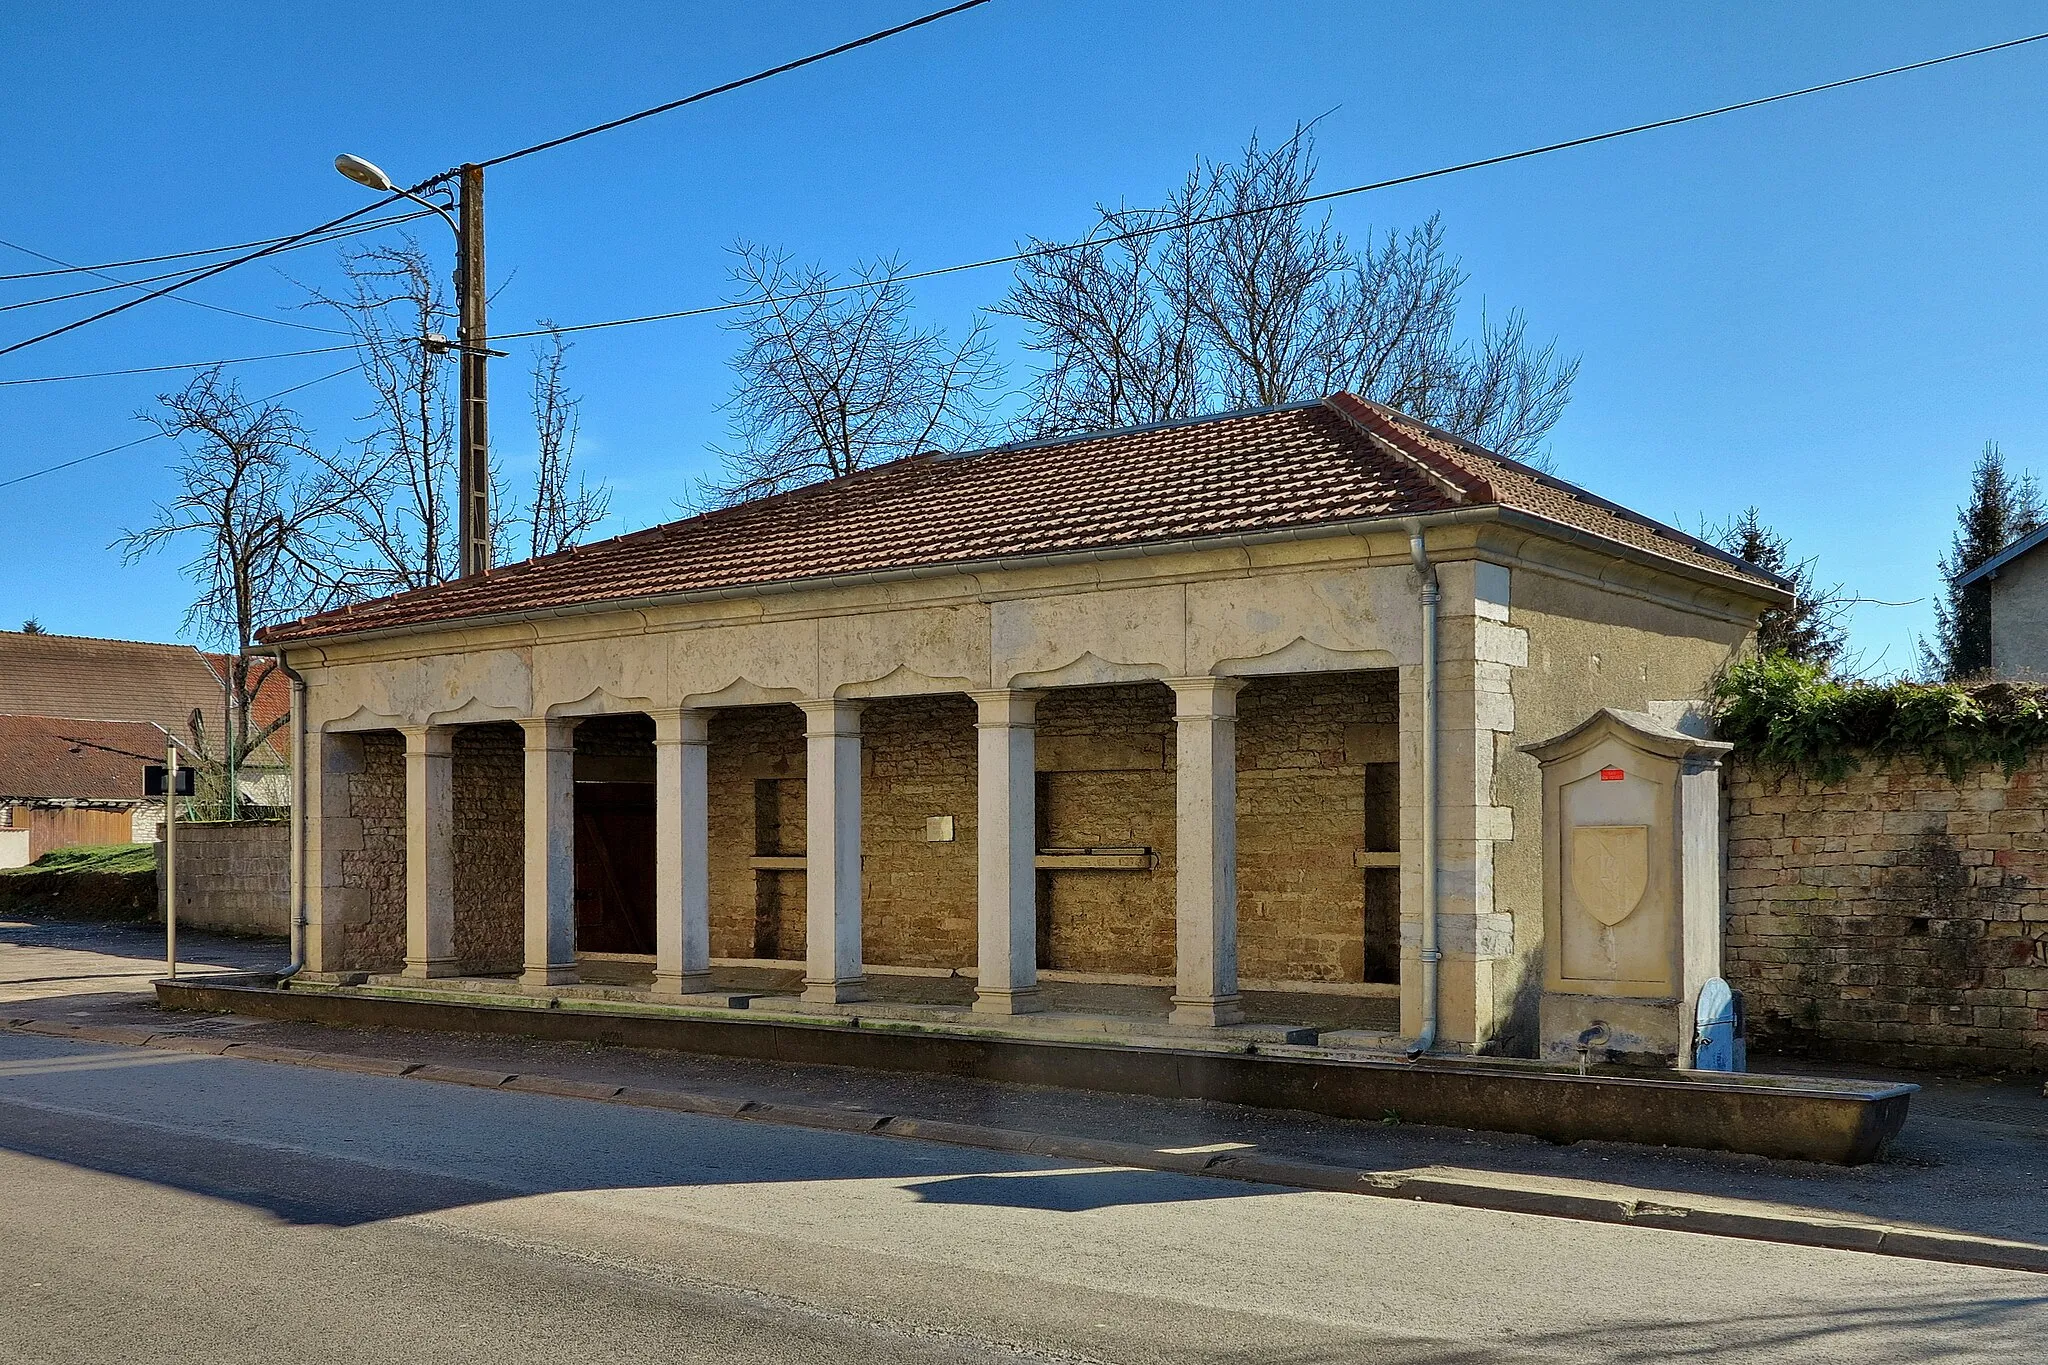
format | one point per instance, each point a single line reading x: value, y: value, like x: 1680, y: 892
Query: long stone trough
x: 1801, y: 1118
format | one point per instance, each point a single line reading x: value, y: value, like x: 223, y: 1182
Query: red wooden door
x: 615, y: 867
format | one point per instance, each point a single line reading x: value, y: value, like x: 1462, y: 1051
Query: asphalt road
x: 168, y: 1207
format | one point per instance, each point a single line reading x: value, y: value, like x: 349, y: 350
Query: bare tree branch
x: 832, y: 384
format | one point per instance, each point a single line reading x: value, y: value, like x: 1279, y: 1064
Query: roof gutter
x: 1395, y: 523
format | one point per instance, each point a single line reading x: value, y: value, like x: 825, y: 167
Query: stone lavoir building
x: 1141, y: 706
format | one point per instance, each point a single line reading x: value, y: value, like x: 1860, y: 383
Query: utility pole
x: 473, y: 513
x: 472, y: 337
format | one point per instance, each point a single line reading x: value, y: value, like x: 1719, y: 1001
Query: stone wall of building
x: 756, y: 759
x: 490, y: 870
x: 918, y: 894
x: 234, y: 877
x: 1894, y: 916
x: 1303, y: 749
x: 373, y: 939
x: 1106, y: 781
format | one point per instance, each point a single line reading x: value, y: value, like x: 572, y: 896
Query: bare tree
x: 259, y: 507
x: 558, y: 516
x: 397, y: 533
x: 1232, y: 295
x: 1115, y: 319
x: 834, y: 378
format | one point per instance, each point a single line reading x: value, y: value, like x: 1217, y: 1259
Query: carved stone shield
x: 1610, y: 870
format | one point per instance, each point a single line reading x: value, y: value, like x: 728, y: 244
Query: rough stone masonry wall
x: 490, y: 872
x: 1893, y: 916
x: 1302, y: 748
x: 375, y: 939
x: 234, y: 877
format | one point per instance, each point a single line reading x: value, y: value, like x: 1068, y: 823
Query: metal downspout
x: 297, y: 910
x: 1429, y: 597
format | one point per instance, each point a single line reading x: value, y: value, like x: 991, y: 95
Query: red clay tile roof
x: 47, y: 757
x: 1302, y: 465
x: 130, y: 680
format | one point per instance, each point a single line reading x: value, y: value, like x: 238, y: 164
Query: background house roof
x: 1990, y: 567
x: 1298, y: 466
x: 49, y: 757
x: 127, y: 680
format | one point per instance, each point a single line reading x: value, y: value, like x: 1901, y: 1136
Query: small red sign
x: 1612, y: 774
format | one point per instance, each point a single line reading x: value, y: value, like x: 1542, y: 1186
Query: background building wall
x: 2019, y: 618
x: 1894, y: 916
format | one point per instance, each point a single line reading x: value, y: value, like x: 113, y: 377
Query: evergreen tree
x: 2002, y: 508
x: 33, y: 627
x: 1811, y: 629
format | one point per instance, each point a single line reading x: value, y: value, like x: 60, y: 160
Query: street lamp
x: 473, y: 473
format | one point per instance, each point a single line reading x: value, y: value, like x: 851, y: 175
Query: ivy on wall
x: 1783, y: 714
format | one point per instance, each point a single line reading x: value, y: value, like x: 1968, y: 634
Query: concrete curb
x: 1504, y: 1196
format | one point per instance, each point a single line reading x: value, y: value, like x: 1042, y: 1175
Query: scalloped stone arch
x: 1089, y: 669
x: 363, y: 719
x: 903, y: 681
x: 1302, y: 655
x: 600, y: 702
x: 745, y: 692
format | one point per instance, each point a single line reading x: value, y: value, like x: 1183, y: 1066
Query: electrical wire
x: 196, y: 303
x: 1020, y: 256
x: 182, y: 365
x: 280, y: 243
x: 208, y: 273
x: 1179, y: 225
x: 203, y: 251
x: 168, y: 274
x: 157, y: 435
x: 757, y: 77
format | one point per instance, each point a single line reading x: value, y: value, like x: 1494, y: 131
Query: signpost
x: 170, y: 782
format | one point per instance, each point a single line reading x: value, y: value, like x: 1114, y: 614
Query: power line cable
x: 181, y: 365
x: 1015, y: 257
x: 171, y: 274
x: 757, y: 77
x: 157, y: 435
x: 278, y: 245
x: 1181, y: 224
x: 203, y: 251
x: 283, y: 242
x: 196, y: 303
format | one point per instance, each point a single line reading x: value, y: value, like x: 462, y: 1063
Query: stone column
x: 1479, y: 653
x: 832, y: 971
x: 429, y: 851
x: 682, y: 883
x: 1007, y: 852
x: 1205, y: 851
x: 550, y: 852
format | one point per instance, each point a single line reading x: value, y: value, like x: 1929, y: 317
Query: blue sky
x: 1824, y: 308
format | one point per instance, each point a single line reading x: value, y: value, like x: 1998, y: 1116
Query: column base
x: 1206, y: 1013
x: 848, y: 992
x: 432, y: 967
x: 997, y: 1000
x: 689, y: 983
x: 549, y: 976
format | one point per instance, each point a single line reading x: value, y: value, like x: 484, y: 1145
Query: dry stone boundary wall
x: 1895, y: 916
x: 234, y: 877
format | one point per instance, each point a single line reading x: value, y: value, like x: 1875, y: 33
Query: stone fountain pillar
x: 1632, y: 859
